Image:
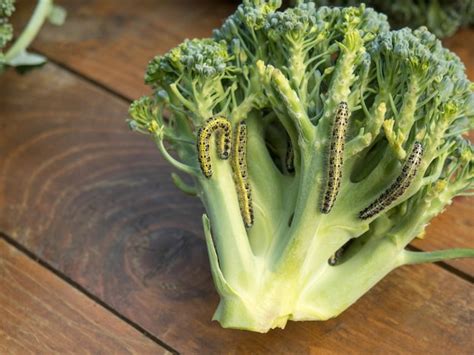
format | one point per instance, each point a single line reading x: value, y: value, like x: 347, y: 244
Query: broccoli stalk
x: 277, y: 79
x: 17, y: 55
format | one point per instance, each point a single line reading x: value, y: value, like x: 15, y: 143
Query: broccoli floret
x: 320, y: 142
x: 7, y: 7
x: 442, y: 17
x: 6, y: 31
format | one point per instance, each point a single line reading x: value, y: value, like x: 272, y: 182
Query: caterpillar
x: 336, y: 257
x: 240, y: 173
x: 290, y: 158
x: 222, y: 127
x: 336, y: 157
x: 399, y: 186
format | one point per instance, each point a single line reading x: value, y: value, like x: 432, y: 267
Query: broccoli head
x: 320, y: 142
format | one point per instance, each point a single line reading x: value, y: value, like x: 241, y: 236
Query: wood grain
x: 41, y: 314
x: 111, y: 44
x: 96, y: 202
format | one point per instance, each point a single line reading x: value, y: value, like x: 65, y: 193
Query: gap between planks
x: 10, y: 241
x: 85, y: 78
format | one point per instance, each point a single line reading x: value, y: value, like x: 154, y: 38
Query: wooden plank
x: 112, y: 44
x: 461, y: 44
x: 40, y: 313
x: 96, y: 202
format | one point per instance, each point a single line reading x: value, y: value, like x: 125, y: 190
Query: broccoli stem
x: 306, y: 216
x: 178, y: 165
x: 412, y: 257
x: 220, y: 200
x: 41, y: 12
x: 294, y: 106
x: 269, y: 188
x: 180, y: 184
x: 297, y: 64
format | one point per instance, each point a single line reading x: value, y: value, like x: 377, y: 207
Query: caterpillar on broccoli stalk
x: 336, y: 157
x: 399, y: 186
x: 336, y: 258
x: 239, y: 167
x: 222, y: 128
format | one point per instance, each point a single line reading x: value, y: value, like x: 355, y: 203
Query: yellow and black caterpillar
x: 222, y: 128
x: 239, y: 167
x: 399, y: 186
x: 225, y: 147
x: 336, y: 157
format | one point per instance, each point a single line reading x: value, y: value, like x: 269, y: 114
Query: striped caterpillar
x: 239, y: 167
x: 222, y: 128
x: 399, y: 186
x: 336, y: 157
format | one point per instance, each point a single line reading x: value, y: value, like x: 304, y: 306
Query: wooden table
x: 100, y: 252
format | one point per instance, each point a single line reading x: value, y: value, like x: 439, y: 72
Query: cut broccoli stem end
x: 279, y: 296
x: 265, y: 311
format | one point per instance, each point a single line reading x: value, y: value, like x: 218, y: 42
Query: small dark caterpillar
x: 336, y: 257
x: 336, y: 157
x: 290, y: 158
x: 239, y: 167
x: 399, y: 186
x: 222, y: 128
